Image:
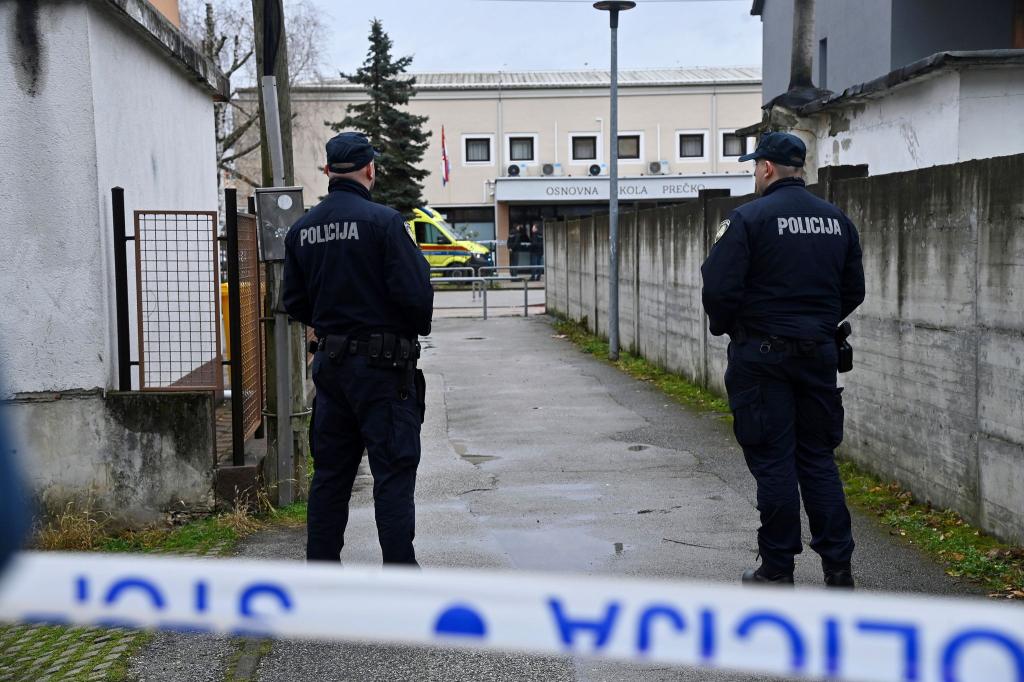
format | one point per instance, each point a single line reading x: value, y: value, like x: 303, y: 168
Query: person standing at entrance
x: 536, y: 252
x: 354, y: 273
x: 785, y: 270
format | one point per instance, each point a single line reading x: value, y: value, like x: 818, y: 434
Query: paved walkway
x: 536, y: 456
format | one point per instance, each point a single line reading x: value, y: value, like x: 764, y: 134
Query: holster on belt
x: 843, y: 346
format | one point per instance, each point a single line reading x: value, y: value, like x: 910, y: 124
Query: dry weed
x: 73, y: 528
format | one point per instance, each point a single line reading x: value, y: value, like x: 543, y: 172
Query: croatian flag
x: 444, y: 159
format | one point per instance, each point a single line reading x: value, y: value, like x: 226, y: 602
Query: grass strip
x: 964, y: 551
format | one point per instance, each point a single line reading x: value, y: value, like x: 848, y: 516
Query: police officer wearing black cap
x: 355, y: 275
x: 784, y: 272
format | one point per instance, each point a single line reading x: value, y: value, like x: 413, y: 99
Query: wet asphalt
x: 536, y: 456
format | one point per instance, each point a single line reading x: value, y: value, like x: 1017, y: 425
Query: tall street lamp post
x: 613, y: 7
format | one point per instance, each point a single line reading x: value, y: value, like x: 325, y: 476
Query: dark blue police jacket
x: 352, y: 267
x: 786, y: 264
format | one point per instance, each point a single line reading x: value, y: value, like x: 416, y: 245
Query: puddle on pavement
x: 618, y: 549
x: 474, y: 459
x: 638, y: 448
x: 476, y: 338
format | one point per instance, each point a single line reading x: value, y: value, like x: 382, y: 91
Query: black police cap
x: 781, y: 148
x: 348, y: 152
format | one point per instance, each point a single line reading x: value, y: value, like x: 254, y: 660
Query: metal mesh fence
x: 249, y: 321
x: 178, y: 300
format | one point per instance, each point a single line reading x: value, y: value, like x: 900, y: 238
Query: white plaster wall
x: 107, y: 110
x: 154, y: 137
x: 913, y: 127
x: 991, y: 105
x: 53, y: 331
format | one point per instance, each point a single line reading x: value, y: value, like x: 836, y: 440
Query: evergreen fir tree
x: 396, y: 134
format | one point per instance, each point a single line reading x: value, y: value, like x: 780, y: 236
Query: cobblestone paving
x: 47, y: 653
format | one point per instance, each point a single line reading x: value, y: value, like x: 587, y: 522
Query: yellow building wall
x: 657, y: 114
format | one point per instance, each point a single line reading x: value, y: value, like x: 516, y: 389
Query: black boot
x: 839, y: 577
x: 758, y: 576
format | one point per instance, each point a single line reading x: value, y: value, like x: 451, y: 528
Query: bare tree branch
x: 232, y: 137
x: 239, y: 175
x: 248, y: 150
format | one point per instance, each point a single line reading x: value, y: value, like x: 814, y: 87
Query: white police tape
x: 808, y: 633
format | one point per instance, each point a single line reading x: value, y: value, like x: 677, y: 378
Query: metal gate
x: 177, y: 285
x: 245, y: 329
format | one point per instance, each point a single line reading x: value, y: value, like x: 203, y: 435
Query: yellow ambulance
x: 439, y: 245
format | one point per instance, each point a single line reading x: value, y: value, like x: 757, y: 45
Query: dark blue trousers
x: 788, y: 418
x: 357, y: 408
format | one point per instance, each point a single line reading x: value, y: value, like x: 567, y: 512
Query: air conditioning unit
x: 516, y: 169
x: 658, y: 168
x: 551, y: 169
x: 598, y: 169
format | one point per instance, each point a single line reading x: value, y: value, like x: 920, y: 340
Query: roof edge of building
x: 916, y: 70
x: 149, y: 23
x: 491, y: 84
x: 757, y: 8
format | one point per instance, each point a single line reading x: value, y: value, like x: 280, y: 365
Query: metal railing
x: 512, y: 269
x: 462, y: 269
x: 482, y: 282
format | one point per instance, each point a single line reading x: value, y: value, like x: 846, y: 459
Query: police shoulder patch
x: 722, y: 227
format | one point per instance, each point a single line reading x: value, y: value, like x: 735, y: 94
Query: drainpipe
x: 802, y: 59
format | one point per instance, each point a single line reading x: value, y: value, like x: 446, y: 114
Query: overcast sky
x: 485, y: 35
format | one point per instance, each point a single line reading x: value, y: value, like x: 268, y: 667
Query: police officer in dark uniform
x: 785, y: 270
x: 355, y: 275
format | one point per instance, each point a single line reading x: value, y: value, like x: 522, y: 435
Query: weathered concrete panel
x: 1000, y: 211
x: 573, y: 271
x: 650, y: 274
x: 684, y: 317
x: 588, y: 273
x: 1001, y: 386
x: 1001, y: 493
x: 132, y: 455
x: 911, y: 408
x: 627, y: 282
x: 600, y: 223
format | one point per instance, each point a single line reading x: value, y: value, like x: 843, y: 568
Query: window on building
x: 478, y: 150
x: 520, y: 149
x: 691, y: 146
x: 733, y: 144
x: 629, y: 147
x: 584, y: 148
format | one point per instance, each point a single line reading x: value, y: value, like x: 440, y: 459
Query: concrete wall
x: 936, y: 399
x: 132, y: 455
x: 94, y: 95
x: 869, y: 38
x: 942, y: 118
x: 103, y: 108
x: 915, y: 126
x: 923, y: 27
x: 776, y: 47
x: 859, y: 36
x: 859, y: 39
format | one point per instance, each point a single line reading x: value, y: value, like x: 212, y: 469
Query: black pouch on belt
x: 335, y: 347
